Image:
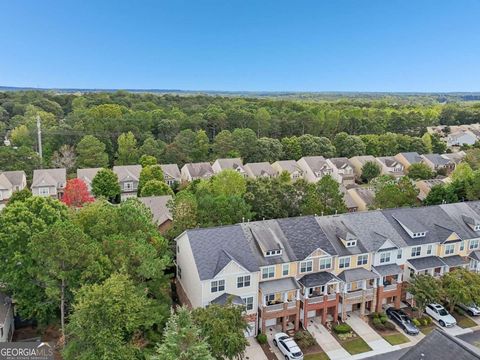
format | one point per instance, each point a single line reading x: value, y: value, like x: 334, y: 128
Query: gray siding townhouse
x: 49, y: 182
x: 260, y: 170
x: 232, y: 164
x: 11, y: 181
x: 314, y: 168
x: 128, y: 178
x: 87, y: 176
x: 195, y: 171
x: 171, y: 174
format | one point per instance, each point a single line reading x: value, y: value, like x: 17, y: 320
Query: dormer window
x: 273, y: 253
x: 419, y: 235
x: 476, y: 228
x: 351, y: 243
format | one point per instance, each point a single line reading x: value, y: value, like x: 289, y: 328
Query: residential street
x: 472, y: 338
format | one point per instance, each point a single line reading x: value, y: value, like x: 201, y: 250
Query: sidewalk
x: 327, y: 342
x: 371, y: 337
x: 254, y: 350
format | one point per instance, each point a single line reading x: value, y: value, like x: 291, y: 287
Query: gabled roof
x: 475, y: 255
x: 412, y: 157
x: 49, y: 177
x: 5, y: 184
x: 128, y: 172
x: 198, y: 170
x: 260, y: 169
x: 16, y: 178
x: 454, y: 260
x: 316, y: 163
x: 225, y: 298
x: 439, y: 345
x: 456, y: 157
x: 228, y: 242
x: 340, y: 162
x: 171, y: 170
x: 158, y: 205
x: 232, y: 163
x: 87, y: 174
x: 437, y: 159
x: 289, y: 165
x: 389, y: 161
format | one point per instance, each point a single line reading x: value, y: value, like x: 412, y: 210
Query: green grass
x: 465, y: 322
x: 356, y: 346
x: 427, y: 329
x: 396, y: 339
x: 317, y: 356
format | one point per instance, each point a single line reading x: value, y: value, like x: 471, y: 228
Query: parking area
x: 454, y: 330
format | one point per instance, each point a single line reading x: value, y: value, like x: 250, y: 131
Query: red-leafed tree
x: 76, y: 193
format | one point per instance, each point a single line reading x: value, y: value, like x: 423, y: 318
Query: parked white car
x: 439, y: 313
x: 288, y: 347
x: 472, y: 309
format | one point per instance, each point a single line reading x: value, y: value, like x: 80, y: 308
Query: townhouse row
x: 287, y: 271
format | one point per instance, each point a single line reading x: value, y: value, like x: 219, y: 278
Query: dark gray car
x: 402, y: 320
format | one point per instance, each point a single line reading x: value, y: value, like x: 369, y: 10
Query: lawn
x: 396, y: 339
x: 318, y: 356
x: 463, y: 321
x: 356, y: 346
x: 427, y: 329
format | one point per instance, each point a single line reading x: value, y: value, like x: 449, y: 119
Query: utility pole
x: 39, y: 135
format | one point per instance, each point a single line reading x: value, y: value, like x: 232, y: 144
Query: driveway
x: 454, y: 330
x: 327, y: 342
x: 254, y: 350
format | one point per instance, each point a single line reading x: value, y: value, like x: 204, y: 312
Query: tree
x: 262, y: 119
x: 76, y: 193
x: 152, y: 147
x: 349, y: 145
x: 222, y: 210
x: 324, y: 198
x: 223, y: 145
x: 201, y: 146
x: 370, y: 170
x: 146, y: 160
x: 105, y: 184
x: 420, y: 171
x: 223, y: 326
x: 438, y: 146
x: 462, y: 171
x: 268, y: 149
x: 21, y: 136
x: 460, y: 287
x: 440, y: 194
x: 127, y: 153
x: 184, y: 209
x: 425, y: 290
x: 65, y: 258
x: 183, y: 339
x: 156, y: 188
x: 472, y: 157
x: 20, y: 221
x: 315, y: 145
x: 228, y: 182
x: 91, y: 153
x: 109, y: 319
x: 20, y: 195
x: 472, y: 186
x: 148, y: 173
x: 291, y: 148
x: 394, y: 195
x: 245, y: 141
x: 427, y: 141
x: 64, y: 158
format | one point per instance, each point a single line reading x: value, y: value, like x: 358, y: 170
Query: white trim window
x: 285, y: 269
x: 399, y: 253
x: 449, y: 249
x: 268, y: 272
x: 306, y: 266
x: 217, y: 286
x: 44, y: 191
x: 344, y: 262
x: 474, y: 244
x: 325, y: 263
x: 385, y: 257
x: 462, y: 245
x: 128, y: 186
x: 416, y: 251
x: 248, y: 300
x: 429, y: 249
x: 243, y: 281
x: 362, y: 259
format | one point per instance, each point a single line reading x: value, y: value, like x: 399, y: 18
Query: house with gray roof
x: 408, y: 158
x: 49, y: 182
x: 363, y: 197
x: 235, y: 164
x: 260, y: 170
x: 11, y: 181
x: 359, y: 161
x: 87, y: 175
x: 7, y: 326
x: 128, y: 179
x: 159, y: 207
x: 391, y: 166
x: 342, y: 170
x: 196, y: 171
x: 438, y: 162
x: 171, y: 174
x: 289, y: 166
x: 314, y: 168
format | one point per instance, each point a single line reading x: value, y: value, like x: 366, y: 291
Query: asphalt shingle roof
x: 455, y: 260
x: 386, y: 270
x: 357, y: 274
x: 317, y: 279
x: 225, y: 297
x: 425, y: 263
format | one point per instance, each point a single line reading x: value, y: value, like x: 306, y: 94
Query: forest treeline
x: 180, y: 129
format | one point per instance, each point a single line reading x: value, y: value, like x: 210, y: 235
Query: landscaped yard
x: 396, y: 339
x: 319, y: 356
x: 356, y: 346
x: 349, y: 339
x: 426, y: 329
x: 309, y: 346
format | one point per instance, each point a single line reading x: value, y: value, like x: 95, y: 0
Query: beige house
x: 49, y: 182
x: 342, y: 170
x: 391, y: 166
x: 260, y: 170
x: 195, y: 171
x: 424, y: 187
x: 231, y: 164
x: 314, y: 168
x: 11, y: 181
x: 408, y: 158
x: 171, y: 174
x: 438, y: 162
x: 87, y: 175
x: 358, y: 162
x: 290, y: 166
x: 159, y: 206
x: 363, y: 197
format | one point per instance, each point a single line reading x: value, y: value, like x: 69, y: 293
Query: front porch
x: 389, y: 285
x: 280, y: 303
x: 430, y: 265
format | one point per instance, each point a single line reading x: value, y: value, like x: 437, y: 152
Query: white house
x: 314, y: 168
x: 232, y: 164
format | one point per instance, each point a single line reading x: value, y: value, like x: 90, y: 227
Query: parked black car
x: 402, y: 320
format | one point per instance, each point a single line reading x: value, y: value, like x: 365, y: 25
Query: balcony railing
x: 315, y: 300
x: 390, y: 287
x: 273, y: 308
x: 354, y: 294
x: 291, y: 304
x: 331, y: 297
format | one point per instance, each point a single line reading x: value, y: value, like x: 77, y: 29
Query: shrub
x: 377, y: 324
x: 342, y: 328
x: 262, y: 338
x: 375, y: 315
x: 389, y: 325
x: 416, y: 322
x: 383, y: 318
x: 460, y: 311
x: 304, y: 339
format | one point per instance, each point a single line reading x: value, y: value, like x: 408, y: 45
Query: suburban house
x: 290, y: 166
x: 363, y: 197
x: 390, y: 166
x: 359, y: 161
x: 424, y: 187
x: 437, y: 162
x: 6, y: 318
x: 128, y: 178
x: 195, y: 171
x: 260, y: 170
x: 461, y: 137
x: 408, y: 158
x: 49, y: 182
x: 171, y: 174
x: 287, y: 271
x: 348, y: 200
x: 456, y: 157
x: 161, y: 213
x: 11, y: 181
x: 314, y: 168
x: 232, y: 164
x: 342, y: 170
x: 87, y: 176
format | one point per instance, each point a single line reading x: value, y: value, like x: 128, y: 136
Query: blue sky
x: 257, y: 45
